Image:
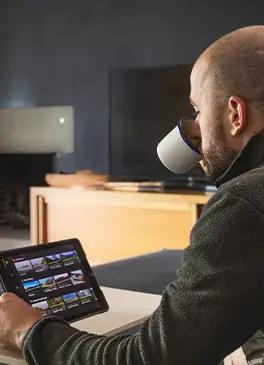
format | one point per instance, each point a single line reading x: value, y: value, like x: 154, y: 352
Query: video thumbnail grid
x: 49, y: 284
x: 66, y: 301
x: 46, y: 263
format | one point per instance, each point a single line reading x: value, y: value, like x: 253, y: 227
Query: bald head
x: 235, y: 65
x: 227, y: 92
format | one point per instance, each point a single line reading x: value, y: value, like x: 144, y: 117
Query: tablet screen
x: 55, y: 278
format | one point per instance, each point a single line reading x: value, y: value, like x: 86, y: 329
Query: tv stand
x: 113, y: 225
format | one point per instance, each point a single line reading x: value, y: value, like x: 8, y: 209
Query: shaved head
x: 236, y: 64
x: 227, y: 92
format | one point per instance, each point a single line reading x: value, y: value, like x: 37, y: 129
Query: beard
x: 219, y: 156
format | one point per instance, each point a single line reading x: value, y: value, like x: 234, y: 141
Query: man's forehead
x: 197, y: 77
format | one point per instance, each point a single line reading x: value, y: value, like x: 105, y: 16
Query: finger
x: 39, y: 311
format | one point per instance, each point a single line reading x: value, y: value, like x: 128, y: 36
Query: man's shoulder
x: 252, y: 180
x: 231, y: 217
x: 248, y: 187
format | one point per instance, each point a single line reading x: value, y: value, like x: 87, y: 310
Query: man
x: 216, y: 303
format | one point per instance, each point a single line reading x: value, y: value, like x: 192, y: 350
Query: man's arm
x: 254, y: 349
x: 214, y: 306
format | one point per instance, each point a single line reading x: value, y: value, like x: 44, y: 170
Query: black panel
x: 59, y: 52
x: 145, y: 104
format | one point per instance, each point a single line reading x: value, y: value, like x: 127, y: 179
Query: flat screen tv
x: 145, y: 104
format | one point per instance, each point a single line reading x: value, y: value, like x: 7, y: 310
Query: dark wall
x: 59, y: 53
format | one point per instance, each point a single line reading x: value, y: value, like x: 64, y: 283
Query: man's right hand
x: 16, y: 319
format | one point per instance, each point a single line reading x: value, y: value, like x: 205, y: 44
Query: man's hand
x: 16, y: 318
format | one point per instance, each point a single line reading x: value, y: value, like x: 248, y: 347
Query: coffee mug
x: 176, y: 151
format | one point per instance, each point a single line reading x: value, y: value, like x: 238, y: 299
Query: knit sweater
x: 213, y: 306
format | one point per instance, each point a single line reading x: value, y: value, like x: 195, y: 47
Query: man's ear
x: 237, y: 115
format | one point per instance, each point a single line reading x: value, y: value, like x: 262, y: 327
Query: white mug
x: 176, y: 151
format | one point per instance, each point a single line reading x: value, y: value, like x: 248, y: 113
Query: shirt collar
x: 252, y: 156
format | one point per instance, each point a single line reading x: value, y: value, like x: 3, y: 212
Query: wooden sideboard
x: 113, y: 225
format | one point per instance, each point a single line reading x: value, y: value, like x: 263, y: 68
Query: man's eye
x: 195, y: 113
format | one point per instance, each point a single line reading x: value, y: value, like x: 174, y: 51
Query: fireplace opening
x: 17, y: 173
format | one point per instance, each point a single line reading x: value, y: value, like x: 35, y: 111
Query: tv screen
x: 145, y: 104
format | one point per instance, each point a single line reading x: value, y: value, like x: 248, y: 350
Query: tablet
x: 54, y: 277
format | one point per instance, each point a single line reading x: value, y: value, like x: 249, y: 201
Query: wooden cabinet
x: 114, y: 225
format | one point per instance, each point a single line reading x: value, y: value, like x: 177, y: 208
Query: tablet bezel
x: 85, y: 267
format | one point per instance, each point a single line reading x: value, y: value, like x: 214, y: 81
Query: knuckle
x: 7, y: 296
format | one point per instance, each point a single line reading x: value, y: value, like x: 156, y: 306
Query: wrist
x: 21, y: 333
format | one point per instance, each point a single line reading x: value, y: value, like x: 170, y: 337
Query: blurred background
x: 80, y: 54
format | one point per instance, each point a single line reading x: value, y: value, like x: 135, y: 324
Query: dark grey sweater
x: 213, y: 306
